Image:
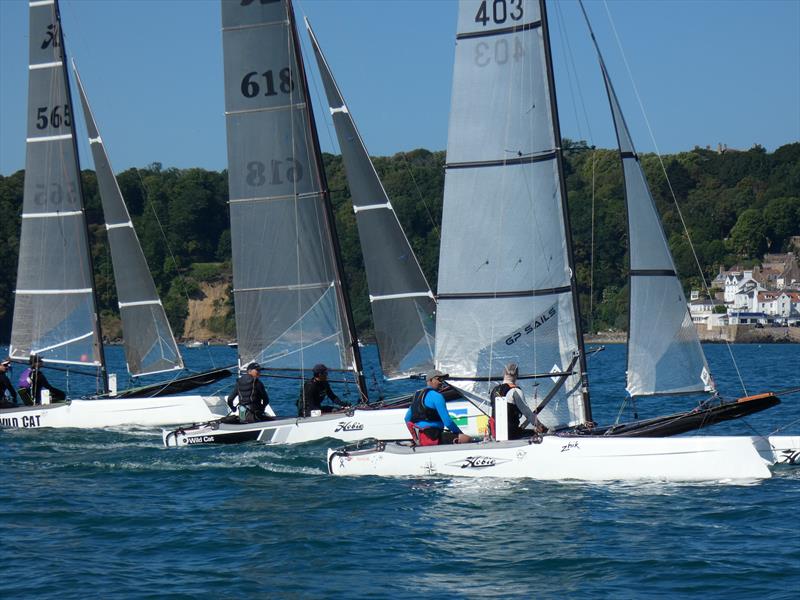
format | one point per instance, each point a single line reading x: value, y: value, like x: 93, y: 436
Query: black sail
x: 148, y: 340
x: 401, y: 299
x: 54, y: 310
x: 291, y: 307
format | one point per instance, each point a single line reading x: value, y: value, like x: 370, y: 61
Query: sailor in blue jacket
x: 427, y: 417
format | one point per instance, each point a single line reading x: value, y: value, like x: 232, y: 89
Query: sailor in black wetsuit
x: 252, y: 395
x: 5, y: 386
x: 315, y: 390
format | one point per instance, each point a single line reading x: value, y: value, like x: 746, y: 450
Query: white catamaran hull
x: 146, y: 412
x: 350, y: 426
x: 580, y: 458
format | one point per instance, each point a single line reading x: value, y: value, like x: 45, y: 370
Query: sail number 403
x: 500, y: 11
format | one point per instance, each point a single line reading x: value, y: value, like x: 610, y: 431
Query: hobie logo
x: 477, y: 462
x: 789, y: 457
x: 349, y: 426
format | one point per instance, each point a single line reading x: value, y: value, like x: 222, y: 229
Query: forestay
x: 149, y: 344
x: 506, y: 289
x: 664, y: 353
x: 288, y: 295
x: 54, y: 308
x: 401, y: 300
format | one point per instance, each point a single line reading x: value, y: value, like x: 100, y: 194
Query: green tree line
x: 736, y: 206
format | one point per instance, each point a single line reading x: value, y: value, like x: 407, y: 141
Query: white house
x: 787, y: 304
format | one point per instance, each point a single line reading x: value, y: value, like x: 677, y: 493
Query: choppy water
x: 113, y: 515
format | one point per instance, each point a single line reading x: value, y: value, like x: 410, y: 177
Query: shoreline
x: 732, y: 334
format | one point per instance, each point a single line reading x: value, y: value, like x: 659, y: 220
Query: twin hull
x: 348, y: 426
x: 145, y: 412
x: 704, y: 458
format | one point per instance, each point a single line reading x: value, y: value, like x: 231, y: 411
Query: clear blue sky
x: 708, y: 71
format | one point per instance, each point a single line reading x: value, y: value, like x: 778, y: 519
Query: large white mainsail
x: 291, y: 307
x: 506, y: 283
x: 664, y: 352
x: 401, y: 299
x: 54, y: 310
x: 148, y: 340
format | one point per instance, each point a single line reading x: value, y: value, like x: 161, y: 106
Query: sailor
x: 32, y: 381
x: 517, y: 407
x: 315, y: 391
x: 9, y: 401
x: 252, y: 395
x: 427, y: 418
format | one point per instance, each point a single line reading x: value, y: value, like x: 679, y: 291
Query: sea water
x: 112, y: 514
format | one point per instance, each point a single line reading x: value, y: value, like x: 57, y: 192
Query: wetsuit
x: 428, y: 417
x: 252, y: 395
x: 314, y: 393
x: 32, y: 382
x: 5, y: 386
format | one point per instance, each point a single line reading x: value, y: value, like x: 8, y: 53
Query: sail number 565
x: 498, y: 11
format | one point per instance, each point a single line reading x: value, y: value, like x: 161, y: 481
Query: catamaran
x: 55, y: 309
x: 292, y: 307
x: 507, y: 268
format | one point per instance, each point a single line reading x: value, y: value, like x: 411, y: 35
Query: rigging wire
x: 669, y: 183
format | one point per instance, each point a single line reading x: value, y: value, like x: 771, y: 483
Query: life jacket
x: 247, y: 389
x: 24, y: 379
x: 419, y: 411
x: 514, y: 413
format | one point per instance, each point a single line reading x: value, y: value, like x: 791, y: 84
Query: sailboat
x: 505, y: 195
x: 292, y: 308
x: 55, y: 311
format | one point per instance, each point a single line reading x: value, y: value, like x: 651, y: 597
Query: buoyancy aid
x: 247, y: 396
x: 421, y: 412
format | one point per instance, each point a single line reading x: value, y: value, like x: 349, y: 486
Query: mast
x: 330, y: 218
x: 98, y: 344
x: 565, y: 212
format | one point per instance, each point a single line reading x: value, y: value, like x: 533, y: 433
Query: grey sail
x: 291, y: 307
x: 401, y: 300
x: 664, y: 352
x: 506, y: 287
x: 54, y: 309
x: 148, y: 340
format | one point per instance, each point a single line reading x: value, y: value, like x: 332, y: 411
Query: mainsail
x: 664, y: 352
x: 291, y: 307
x: 506, y: 280
x: 149, y: 344
x: 54, y: 310
x: 401, y: 299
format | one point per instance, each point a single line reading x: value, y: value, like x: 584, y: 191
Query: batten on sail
x: 505, y: 273
x: 149, y: 344
x: 664, y: 352
x: 400, y: 297
x: 54, y: 309
x: 290, y: 305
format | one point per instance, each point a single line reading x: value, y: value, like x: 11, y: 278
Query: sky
x: 707, y: 72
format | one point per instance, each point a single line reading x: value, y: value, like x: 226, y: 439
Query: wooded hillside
x: 737, y: 205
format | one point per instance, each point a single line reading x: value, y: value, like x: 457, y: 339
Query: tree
x: 749, y: 236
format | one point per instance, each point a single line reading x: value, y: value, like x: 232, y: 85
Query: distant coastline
x: 731, y: 334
